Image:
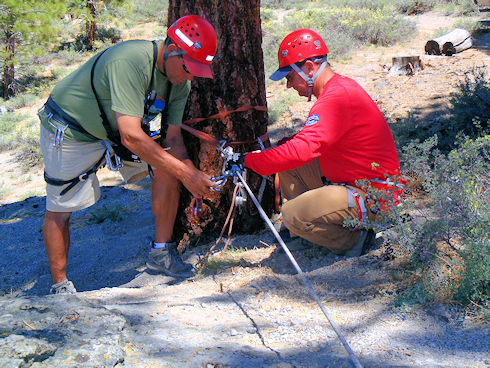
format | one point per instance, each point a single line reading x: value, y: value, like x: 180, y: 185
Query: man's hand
x: 236, y: 159
x: 197, y: 182
x: 133, y: 137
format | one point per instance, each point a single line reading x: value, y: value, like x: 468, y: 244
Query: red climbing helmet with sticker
x: 297, y: 46
x: 198, y: 41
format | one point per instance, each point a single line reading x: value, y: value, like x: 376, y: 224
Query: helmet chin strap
x: 309, y: 81
x: 166, y: 54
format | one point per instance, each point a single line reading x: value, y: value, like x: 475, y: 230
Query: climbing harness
x: 82, y: 177
x: 116, y: 152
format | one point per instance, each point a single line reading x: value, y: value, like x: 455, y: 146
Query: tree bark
x: 9, y: 69
x: 238, y: 70
x: 91, y: 26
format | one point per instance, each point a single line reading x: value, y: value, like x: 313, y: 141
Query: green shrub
x: 70, y: 55
x: 108, y: 34
x: 414, y: 6
x: 22, y: 100
x: 28, y: 152
x: 471, y: 106
x: 366, y: 25
x: 147, y: 10
x: 106, y: 212
x: 286, y: 4
x: 281, y: 104
x: 457, y: 7
x: 472, y: 25
x: 447, y: 241
x: 449, y: 7
x: 9, y: 123
x: 273, y: 34
x: 59, y: 73
x: 105, y: 35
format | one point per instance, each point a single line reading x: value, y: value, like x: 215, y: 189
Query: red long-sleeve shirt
x: 346, y: 130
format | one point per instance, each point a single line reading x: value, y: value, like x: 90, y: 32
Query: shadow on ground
x: 109, y: 243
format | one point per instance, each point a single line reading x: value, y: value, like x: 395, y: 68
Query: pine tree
x: 239, y: 80
x: 27, y: 26
x: 92, y: 11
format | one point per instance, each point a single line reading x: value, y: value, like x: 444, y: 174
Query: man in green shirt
x: 104, y: 112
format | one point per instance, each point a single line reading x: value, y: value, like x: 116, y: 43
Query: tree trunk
x: 9, y: 69
x: 238, y: 70
x: 91, y: 26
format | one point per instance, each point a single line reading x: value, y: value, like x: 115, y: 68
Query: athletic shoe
x: 362, y: 245
x: 168, y: 261
x: 63, y: 287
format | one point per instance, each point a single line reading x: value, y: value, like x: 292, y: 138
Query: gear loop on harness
x: 353, y: 194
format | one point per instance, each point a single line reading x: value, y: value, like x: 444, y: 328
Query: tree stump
x: 405, y: 65
x: 451, y: 43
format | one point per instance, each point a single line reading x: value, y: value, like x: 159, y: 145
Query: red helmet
x: 297, y: 46
x: 197, y: 38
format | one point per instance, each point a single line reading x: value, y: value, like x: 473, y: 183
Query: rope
x: 353, y: 357
x: 199, y: 263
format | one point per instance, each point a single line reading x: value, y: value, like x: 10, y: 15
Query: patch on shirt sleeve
x: 312, y: 119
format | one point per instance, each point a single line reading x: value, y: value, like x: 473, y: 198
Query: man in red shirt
x: 345, y: 138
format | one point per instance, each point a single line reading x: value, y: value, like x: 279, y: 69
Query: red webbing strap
x: 225, y: 113
x: 277, y: 193
x: 215, y: 142
x: 211, y: 140
x: 201, y: 135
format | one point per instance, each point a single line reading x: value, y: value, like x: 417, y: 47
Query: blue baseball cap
x: 280, y: 73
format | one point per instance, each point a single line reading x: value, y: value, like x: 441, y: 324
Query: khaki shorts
x: 69, y: 161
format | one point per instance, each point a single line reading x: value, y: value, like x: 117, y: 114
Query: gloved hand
x: 236, y: 159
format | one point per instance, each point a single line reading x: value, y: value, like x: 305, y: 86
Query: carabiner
x: 220, y: 182
x: 58, y: 136
x: 221, y: 146
x: 196, y: 205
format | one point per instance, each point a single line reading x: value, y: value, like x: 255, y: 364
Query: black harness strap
x: 53, y: 108
x: 115, y: 137
x: 82, y: 177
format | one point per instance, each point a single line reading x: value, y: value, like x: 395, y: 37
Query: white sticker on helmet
x: 184, y: 38
x: 209, y: 58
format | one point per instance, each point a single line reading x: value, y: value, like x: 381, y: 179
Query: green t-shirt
x: 121, y: 78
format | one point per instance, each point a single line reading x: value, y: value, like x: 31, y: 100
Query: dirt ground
x: 251, y: 311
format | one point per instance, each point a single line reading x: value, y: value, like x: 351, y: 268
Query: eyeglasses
x: 185, y: 68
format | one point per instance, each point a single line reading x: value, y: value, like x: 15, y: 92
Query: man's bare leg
x: 56, y: 234
x: 165, y: 196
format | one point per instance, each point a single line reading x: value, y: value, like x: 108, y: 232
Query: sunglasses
x: 185, y: 68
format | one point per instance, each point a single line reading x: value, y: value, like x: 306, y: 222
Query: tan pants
x: 315, y: 211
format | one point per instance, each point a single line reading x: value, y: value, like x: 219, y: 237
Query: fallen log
x: 405, y: 65
x: 449, y: 44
